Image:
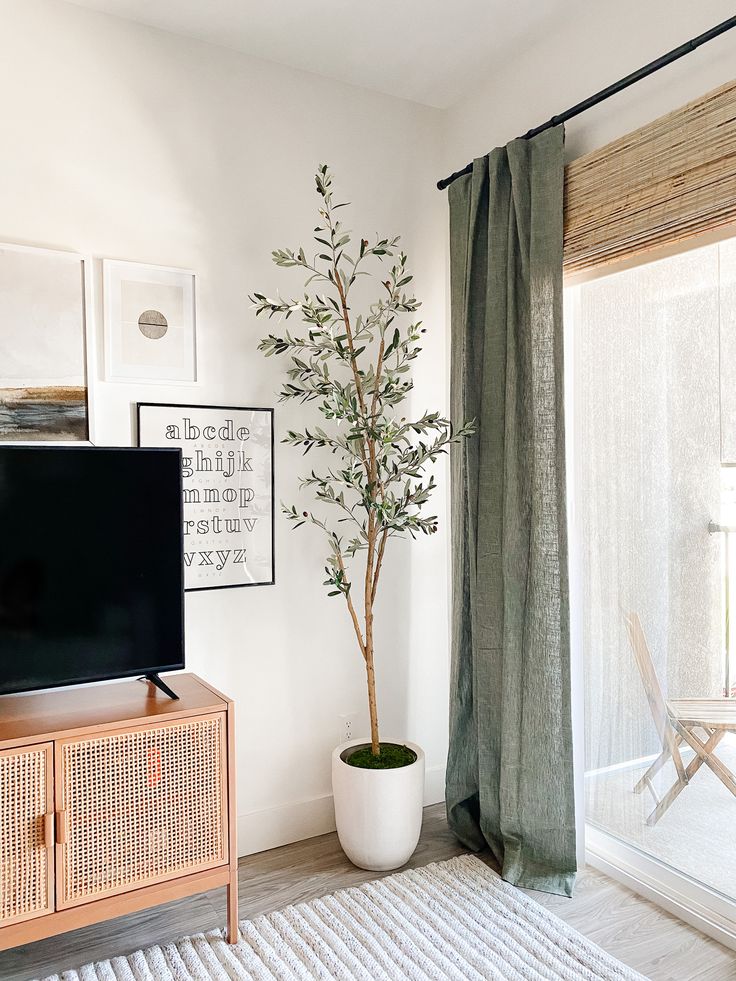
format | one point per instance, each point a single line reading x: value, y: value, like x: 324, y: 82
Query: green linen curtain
x: 509, y: 773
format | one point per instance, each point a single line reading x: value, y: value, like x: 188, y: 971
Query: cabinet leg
x: 233, y: 934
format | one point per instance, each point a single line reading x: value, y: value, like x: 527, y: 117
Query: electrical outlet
x: 348, y: 727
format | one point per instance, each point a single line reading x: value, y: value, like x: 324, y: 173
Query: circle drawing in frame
x: 152, y: 324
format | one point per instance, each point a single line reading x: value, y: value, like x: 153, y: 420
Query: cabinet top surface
x: 55, y: 714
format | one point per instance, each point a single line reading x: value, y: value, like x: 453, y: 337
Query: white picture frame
x: 51, y: 308
x: 149, y: 315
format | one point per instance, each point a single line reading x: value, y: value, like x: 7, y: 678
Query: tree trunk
x: 369, y: 597
x: 372, y: 708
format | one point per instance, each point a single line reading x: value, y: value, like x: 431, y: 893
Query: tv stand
x: 153, y: 677
x: 113, y: 801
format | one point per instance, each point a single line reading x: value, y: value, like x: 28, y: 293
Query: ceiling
x: 429, y: 51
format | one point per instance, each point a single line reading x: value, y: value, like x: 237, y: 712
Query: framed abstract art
x: 43, y: 345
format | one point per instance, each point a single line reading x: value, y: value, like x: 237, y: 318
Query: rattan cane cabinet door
x: 26, y: 847
x: 140, y: 806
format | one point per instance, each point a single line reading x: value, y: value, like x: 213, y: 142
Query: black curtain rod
x: 614, y: 89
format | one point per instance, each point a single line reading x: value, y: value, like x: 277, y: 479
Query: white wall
x: 591, y: 48
x: 122, y: 141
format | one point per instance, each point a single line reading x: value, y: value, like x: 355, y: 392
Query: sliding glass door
x: 652, y: 428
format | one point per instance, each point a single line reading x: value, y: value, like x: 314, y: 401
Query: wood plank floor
x: 636, y: 931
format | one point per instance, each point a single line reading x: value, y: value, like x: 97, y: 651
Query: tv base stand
x: 161, y: 685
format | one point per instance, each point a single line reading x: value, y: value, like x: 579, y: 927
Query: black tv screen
x: 91, y: 574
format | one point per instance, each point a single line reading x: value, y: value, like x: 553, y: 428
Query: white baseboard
x: 434, y: 785
x: 274, y: 826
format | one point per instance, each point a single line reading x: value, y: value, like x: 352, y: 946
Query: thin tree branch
x: 351, y: 607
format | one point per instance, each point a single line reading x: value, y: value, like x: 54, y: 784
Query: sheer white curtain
x: 653, y: 373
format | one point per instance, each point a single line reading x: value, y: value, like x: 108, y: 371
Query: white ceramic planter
x: 378, y: 812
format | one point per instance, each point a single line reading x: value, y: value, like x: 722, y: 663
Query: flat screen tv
x: 91, y: 573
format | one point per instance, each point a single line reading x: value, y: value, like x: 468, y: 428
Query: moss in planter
x: 391, y: 757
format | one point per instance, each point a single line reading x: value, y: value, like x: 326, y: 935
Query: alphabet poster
x: 227, y: 470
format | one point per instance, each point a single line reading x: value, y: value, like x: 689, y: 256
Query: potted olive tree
x: 356, y: 369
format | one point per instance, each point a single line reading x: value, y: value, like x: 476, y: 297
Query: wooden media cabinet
x: 114, y: 798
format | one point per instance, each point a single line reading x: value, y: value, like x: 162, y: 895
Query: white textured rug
x: 452, y: 920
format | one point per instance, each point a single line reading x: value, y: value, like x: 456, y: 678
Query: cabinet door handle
x: 48, y: 830
x: 62, y: 831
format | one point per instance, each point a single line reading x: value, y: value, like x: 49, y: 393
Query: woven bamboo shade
x: 671, y: 179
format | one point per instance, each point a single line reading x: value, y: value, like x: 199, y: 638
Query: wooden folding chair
x: 677, y: 721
